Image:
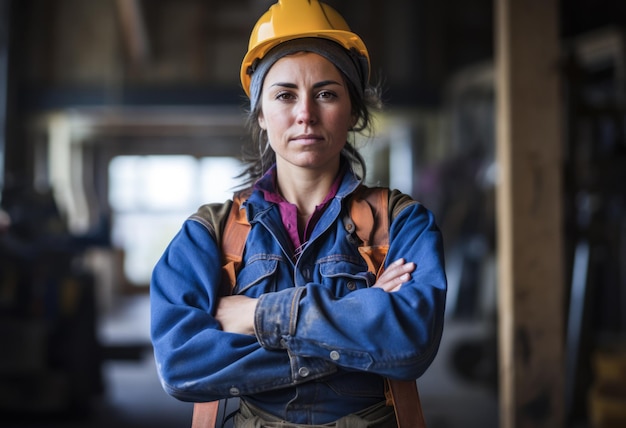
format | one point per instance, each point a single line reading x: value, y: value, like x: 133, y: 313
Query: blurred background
x: 118, y: 118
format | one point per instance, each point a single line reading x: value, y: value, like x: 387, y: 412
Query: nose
x: 306, y: 112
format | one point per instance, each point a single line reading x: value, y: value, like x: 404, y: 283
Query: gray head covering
x: 349, y: 63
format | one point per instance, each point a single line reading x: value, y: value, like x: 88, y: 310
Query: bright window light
x: 151, y: 196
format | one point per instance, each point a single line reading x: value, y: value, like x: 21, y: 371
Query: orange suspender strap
x: 369, y: 215
x: 236, y: 229
x: 406, y: 404
x: 369, y: 212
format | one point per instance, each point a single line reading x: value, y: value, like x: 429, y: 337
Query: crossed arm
x: 236, y: 313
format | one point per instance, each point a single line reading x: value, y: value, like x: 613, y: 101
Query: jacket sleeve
x: 393, y: 334
x: 196, y: 360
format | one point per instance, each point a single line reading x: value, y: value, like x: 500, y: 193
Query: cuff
x: 275, y: 317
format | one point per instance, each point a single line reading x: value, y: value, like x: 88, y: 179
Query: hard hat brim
x: 347, y: 39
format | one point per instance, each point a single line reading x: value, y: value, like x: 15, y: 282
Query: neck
x: 305, y: 188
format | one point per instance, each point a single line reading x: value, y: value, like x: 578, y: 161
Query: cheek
x: 274, y: 121
x: 342, y: 118
x: 344, y: 123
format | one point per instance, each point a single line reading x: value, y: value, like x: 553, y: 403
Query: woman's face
x: 306, y: 111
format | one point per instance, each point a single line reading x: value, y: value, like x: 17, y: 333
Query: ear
x: 261, y: 121
x: 353, y: 121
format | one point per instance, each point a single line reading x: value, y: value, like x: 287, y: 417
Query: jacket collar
x: 257, y: 203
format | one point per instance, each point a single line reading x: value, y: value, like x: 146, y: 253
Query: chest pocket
x: 258, y: 276
x: 345, y: 275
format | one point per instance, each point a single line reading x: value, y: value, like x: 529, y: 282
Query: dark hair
x: 259, y: 157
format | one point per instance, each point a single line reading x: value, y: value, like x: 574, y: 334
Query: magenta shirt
x: 289, y: 212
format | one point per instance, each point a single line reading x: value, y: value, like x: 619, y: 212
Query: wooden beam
x: 529, y: 224
x: 134, y: 31
x: 5, y: 8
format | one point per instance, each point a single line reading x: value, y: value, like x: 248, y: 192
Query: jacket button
x: 334, y: 355
x: 234, y: 391
x: 351, y: 285
x: 303, y: 372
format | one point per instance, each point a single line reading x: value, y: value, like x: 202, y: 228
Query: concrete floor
x: 133, y: 397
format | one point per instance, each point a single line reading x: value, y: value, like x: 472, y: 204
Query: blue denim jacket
x: 324, y: 339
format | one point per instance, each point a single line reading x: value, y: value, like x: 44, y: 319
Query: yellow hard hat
x: 294, y: 19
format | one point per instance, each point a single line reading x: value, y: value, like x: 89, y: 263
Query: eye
x: 284, y: 96
x: 326, y: 95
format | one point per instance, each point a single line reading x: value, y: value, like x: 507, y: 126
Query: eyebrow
x: 315, y: 86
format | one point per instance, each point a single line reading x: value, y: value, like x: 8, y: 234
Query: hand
x: 395, y: 275
x: 236, y: 314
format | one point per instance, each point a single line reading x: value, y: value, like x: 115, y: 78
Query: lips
x: 309, y: 138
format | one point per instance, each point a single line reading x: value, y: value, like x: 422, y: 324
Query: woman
x: 308, y: 335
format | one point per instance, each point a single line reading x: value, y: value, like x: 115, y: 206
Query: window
x: 151, y: 196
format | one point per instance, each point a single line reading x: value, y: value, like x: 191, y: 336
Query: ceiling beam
x: 134, y: 33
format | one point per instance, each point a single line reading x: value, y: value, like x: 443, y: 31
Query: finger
x: 395, y: 269
x: 394, y: 283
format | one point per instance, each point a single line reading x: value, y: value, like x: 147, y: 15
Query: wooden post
x: 529, y: 224
x: 5, y: 8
